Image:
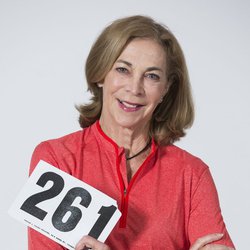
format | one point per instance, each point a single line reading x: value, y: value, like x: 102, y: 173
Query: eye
x: 153, y: 76
x: 122, y: 70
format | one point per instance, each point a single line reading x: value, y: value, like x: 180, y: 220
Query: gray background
x: 43, y: 47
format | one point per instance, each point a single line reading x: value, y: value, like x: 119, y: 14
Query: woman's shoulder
x: 66, y: 141
x: 71, y: 138
x: 63, y: 145
x: 181, y: 159
x: 61, y: 152
x: 177, y: 152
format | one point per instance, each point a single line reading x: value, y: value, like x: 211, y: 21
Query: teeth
x: 129, y: 105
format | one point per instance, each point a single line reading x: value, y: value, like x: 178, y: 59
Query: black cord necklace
x: 141, y: 151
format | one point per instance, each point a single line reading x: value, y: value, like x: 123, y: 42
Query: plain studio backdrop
x: 43, y: 48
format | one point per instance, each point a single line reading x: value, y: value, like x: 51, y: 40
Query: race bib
x: 64, y: 208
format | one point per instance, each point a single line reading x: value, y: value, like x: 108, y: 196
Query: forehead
x: 146, y: 52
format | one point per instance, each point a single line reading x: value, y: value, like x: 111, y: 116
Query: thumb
x: 201, y: 242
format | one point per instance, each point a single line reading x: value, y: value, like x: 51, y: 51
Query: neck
x: 133, y: 140
x: 128, y: 158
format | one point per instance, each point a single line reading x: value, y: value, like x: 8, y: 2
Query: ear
x: 100, y: 85
x: 165, y: 91
x: 167, y: 88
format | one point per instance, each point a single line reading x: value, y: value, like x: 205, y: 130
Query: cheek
x: 119, y: 81
x: 112, y: 83
x: 155, y: 94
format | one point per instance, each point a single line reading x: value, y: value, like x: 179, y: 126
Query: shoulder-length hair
x: 175, y: 113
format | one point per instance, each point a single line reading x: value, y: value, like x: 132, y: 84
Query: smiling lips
x: 129, y: 107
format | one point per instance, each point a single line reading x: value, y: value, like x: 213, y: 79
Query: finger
x: 82, y: 244
x: 201, y: 242
x: 216, y: 247
x: 87, y: 242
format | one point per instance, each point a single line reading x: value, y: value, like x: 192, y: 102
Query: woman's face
x: 134, y: 86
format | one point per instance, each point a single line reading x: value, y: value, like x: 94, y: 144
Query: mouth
x: 128, y: 106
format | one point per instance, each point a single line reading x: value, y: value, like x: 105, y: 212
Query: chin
x: 130, y: 123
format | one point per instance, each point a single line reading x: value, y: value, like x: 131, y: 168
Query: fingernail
x: 220, y: 235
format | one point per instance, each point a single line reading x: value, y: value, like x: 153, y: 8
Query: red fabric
x: 169, y: 203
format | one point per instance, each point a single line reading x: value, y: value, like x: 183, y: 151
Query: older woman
x: 141, y: 104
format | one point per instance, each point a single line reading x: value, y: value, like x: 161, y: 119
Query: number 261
x: 65, y: 206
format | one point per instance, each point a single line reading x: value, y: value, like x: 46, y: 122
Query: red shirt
x: 169, y: 203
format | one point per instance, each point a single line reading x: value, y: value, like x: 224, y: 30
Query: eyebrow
x: 125, y: 62
x: 130, y: 65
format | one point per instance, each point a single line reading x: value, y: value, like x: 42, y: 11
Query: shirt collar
x: 111, y: 145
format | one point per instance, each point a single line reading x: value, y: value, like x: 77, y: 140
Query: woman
x: 141, y: 104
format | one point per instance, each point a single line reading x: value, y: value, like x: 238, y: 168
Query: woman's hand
x: 88, y: 242
x: 204, y: 243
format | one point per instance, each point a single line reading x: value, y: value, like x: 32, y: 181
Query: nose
x: 135, y: 85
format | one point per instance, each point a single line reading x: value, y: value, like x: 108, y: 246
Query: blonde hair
x: 175, y: 113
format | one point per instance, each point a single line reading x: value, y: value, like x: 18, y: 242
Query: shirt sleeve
x: 205, y: 215
x: 37, y: 240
